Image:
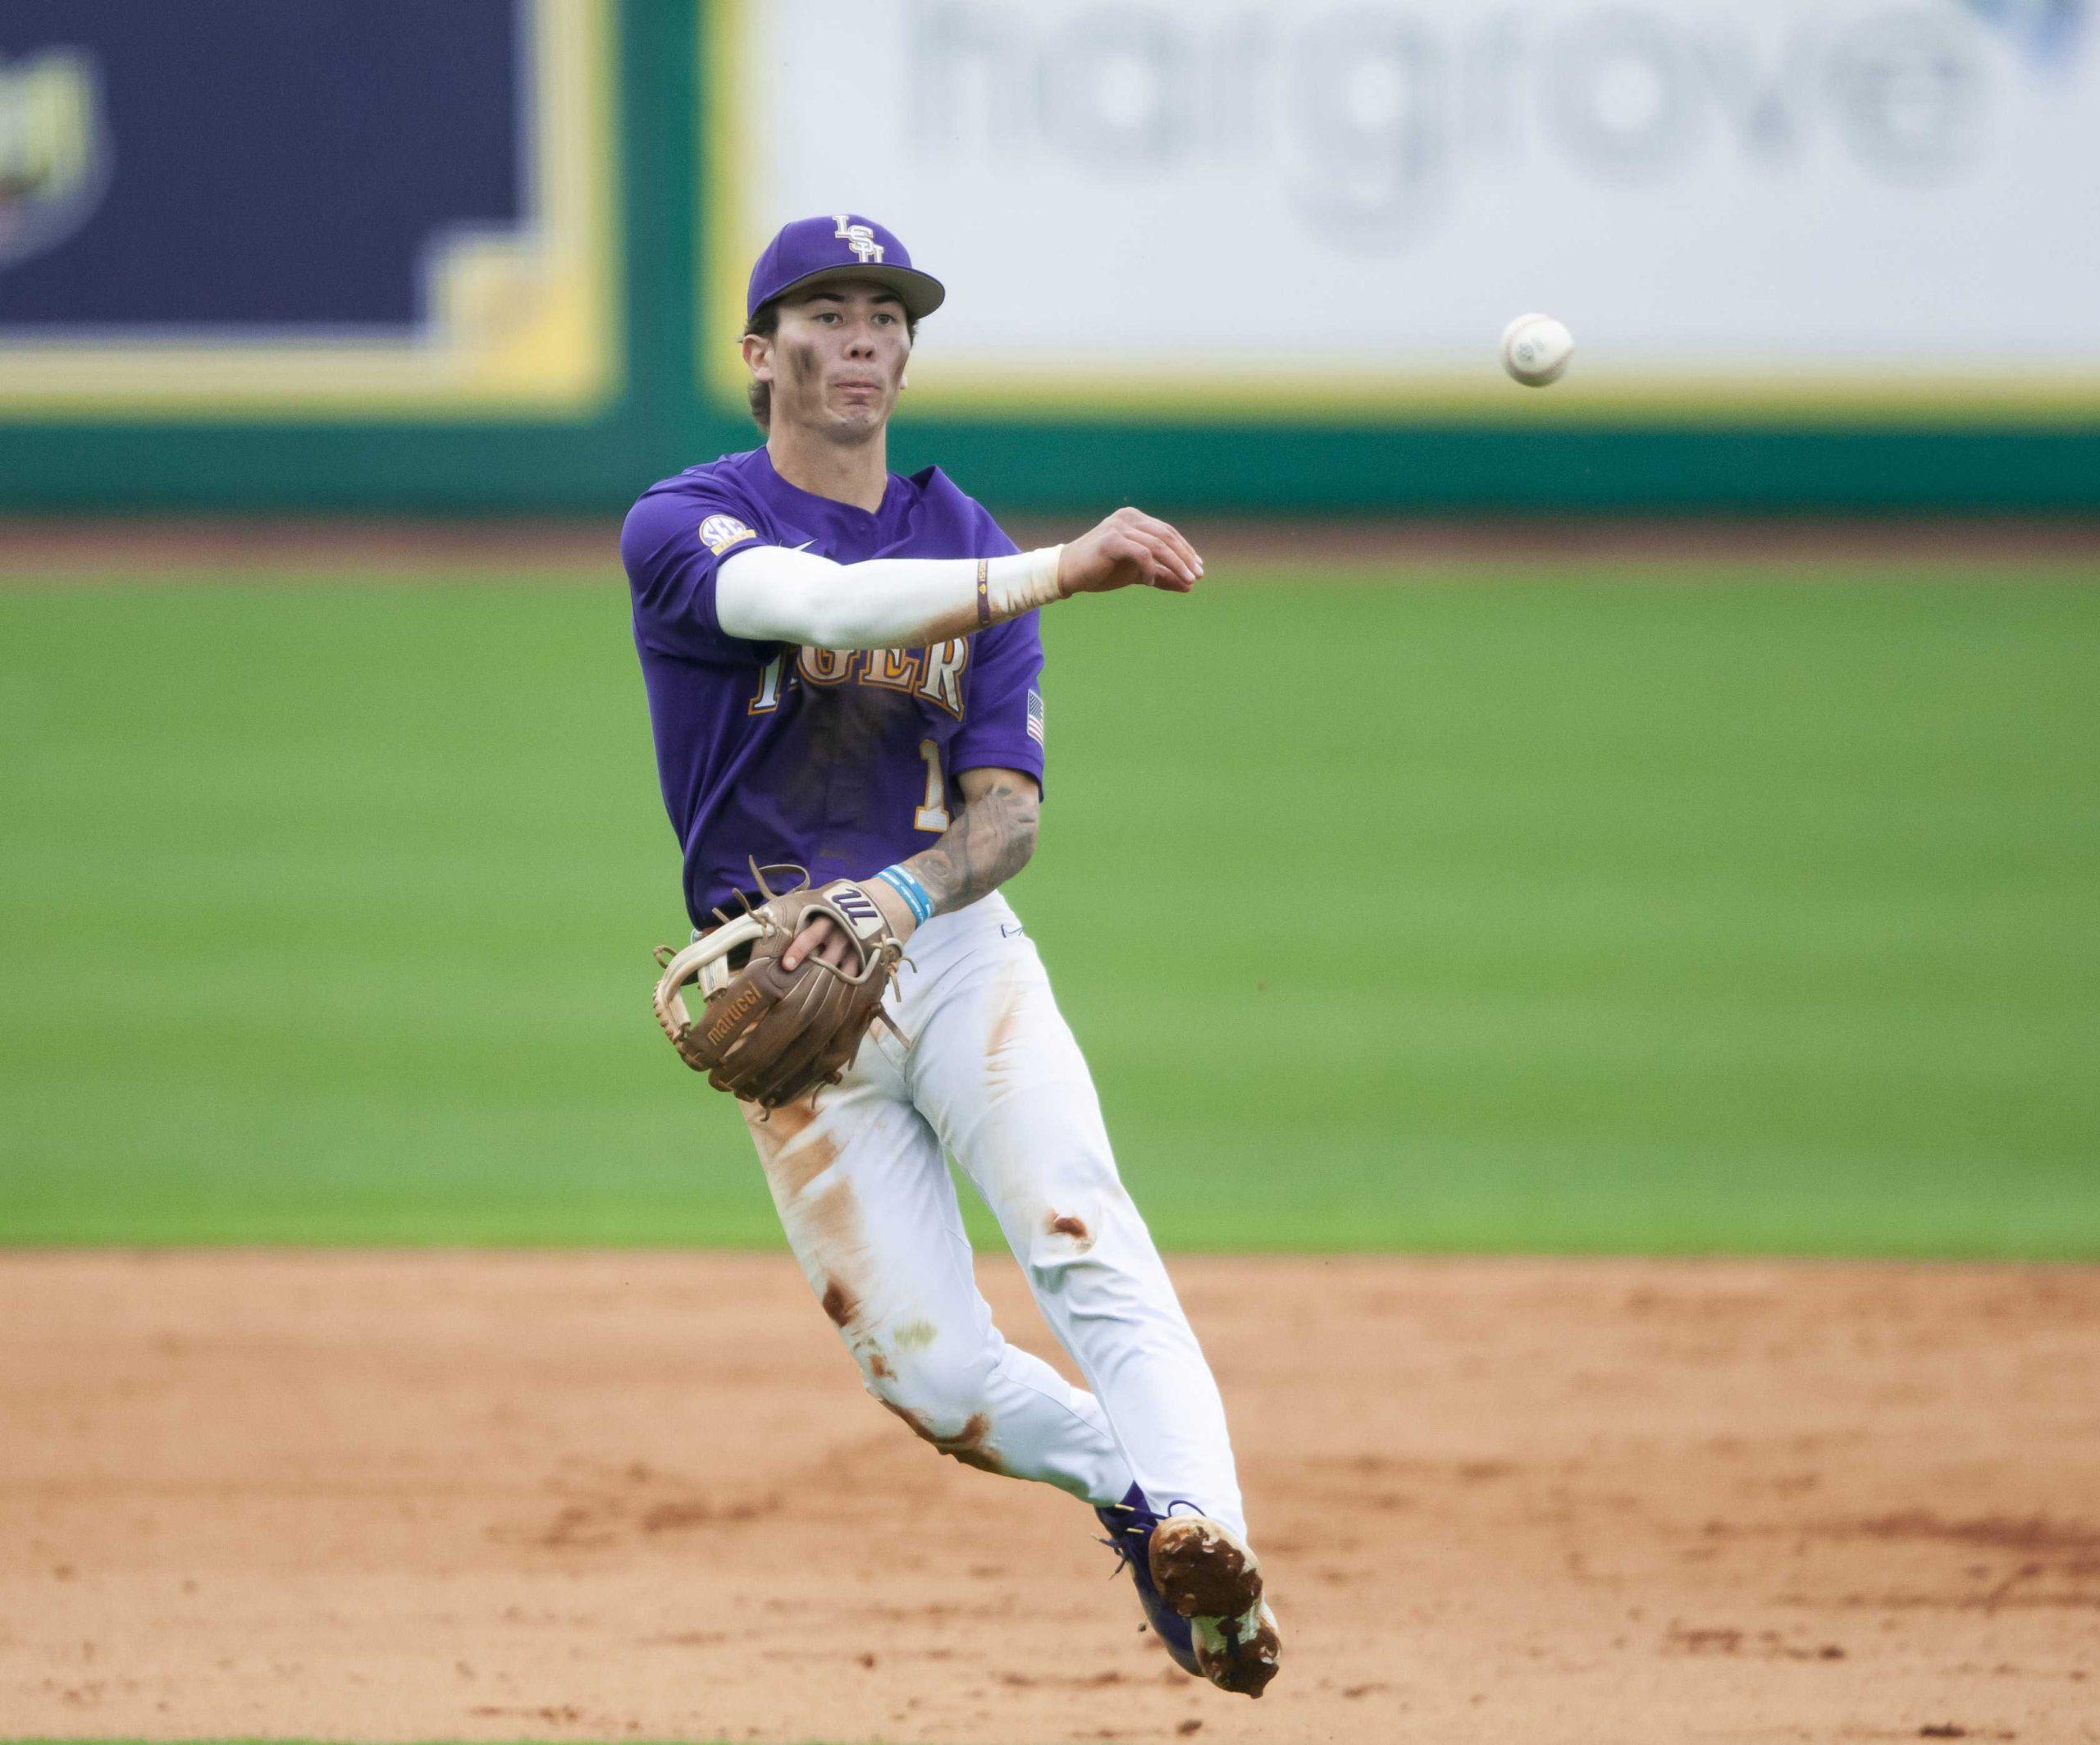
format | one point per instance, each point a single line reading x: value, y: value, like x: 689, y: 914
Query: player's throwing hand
x: 1130, y: 549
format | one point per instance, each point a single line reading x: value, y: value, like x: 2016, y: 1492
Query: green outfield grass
x: 1699, y: 910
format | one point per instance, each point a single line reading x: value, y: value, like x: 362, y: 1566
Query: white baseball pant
x: 994, y: 1076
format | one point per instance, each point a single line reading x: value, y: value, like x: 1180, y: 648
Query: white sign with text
x: 1883, y: 199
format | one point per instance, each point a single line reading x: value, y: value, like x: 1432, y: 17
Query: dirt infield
x: 404, y: 1497
x: 378, y: 547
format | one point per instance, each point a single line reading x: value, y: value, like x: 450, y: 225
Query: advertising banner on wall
x: 392, y: 210
x: 1765, y: 210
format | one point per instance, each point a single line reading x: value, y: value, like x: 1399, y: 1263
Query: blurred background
x: 1658, y: 813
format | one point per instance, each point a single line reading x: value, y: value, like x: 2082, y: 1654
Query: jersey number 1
x: 933, y: 816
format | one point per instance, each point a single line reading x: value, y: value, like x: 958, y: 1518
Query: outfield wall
x: 489, y: 255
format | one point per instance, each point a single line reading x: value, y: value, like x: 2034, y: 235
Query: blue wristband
x: 907, y: 886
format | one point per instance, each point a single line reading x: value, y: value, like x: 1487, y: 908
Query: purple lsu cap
x: 846, y: 244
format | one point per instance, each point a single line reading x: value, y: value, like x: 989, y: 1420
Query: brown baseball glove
x: 764, y: 1034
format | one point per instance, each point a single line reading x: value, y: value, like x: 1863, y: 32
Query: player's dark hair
x: 765, y: 324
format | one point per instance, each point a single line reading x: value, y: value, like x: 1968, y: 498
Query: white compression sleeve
x: 770, y: 594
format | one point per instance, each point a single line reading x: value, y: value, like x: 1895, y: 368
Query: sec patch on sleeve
x: 718, y: 532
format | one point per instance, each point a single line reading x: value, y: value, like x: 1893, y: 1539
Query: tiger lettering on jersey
x: 826, y: 666
x: 942, y: 683
x: 893, y: 669
x: 934, y: 675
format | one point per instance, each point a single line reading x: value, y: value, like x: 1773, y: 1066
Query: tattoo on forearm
x: 981, y: 850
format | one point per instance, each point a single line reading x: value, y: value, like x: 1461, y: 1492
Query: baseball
x: 1535, y: 350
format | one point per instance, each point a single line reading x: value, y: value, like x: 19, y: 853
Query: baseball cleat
x: 1206, y: 1573
x: 1130, y: 1525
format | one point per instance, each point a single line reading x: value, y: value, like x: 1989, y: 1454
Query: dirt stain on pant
x: 826, y: 1226
x: 1003, y: 1054
x: 1064, y: 1224
x: 971, y: 1444
x: 790, y: 1152
x: 830, y: 1237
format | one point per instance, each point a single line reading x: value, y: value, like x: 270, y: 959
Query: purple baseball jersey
x: 841, y: 762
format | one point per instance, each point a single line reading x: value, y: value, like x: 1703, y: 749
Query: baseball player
x: 844, y: 671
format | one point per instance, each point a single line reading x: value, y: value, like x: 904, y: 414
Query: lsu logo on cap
x: 857, y: 237
x: 718, y: 532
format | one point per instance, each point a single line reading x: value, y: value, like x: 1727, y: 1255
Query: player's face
x: 837, y: 358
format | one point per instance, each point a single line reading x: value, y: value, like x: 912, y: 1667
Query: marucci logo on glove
x: 733, y: 1013
x: 857, y: 906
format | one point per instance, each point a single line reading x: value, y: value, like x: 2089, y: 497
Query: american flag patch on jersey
x: 1035, y: 715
